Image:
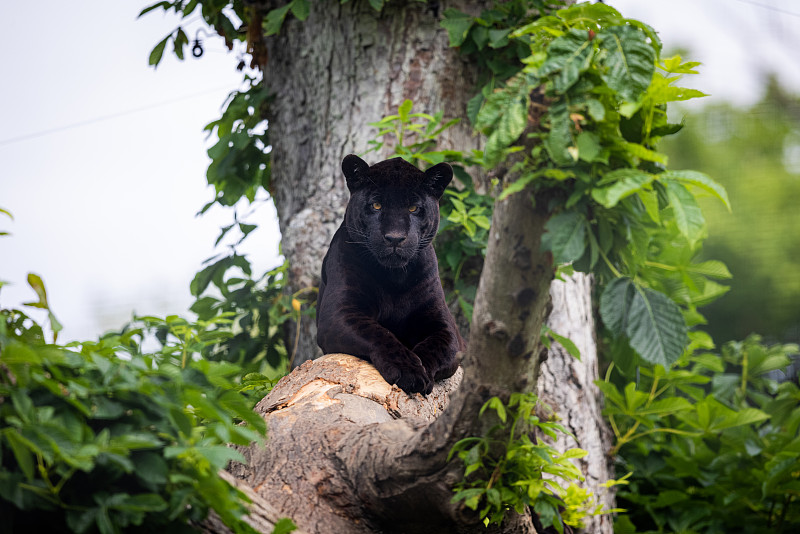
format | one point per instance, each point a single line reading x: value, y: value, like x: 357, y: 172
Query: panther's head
x: 394, y: 207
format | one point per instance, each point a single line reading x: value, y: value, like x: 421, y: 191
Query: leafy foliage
x: 240, y: 169
x: 239, y: 160
x: 713, y: 443
x: 585, y: 106
x: 755, y: 153
x: 105, y: 436
x: 508, y: 468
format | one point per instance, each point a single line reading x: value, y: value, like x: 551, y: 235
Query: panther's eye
x: 412, y: 209
x: 376, y: 206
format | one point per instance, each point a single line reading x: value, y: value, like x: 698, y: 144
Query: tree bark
x: 346, y: 454
x: 566, y: 385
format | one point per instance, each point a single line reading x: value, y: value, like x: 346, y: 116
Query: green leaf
x: 628, y: 61
x: 220, y: 455
x: 569, y: 56
x: 377, y: 5
x: 274, y: 20
x: 158, y: 51
x: 21, y: 451
x: 688, y: 215
x: 661, y: 91
x: 405, y: 109
x: 669, y: 497
x: 284, y: 526
x: 300, y: 9
x: 644, y: 153
x: 498, y: 38
x: 656, y: 328
x: 151, y: 467
x: 610, y: 392
x: 144, y: 502
x: 474, y: 106
x: 180, y: 42
x: 457, y: 25
x: 615, y: 303
x: 509, y: 127
x: 698, y: 179
x: 559, y: 141
x: 624, y: 525
x: 626, y: 182
x: 512, y: 123
x: 565, y: 236
x: 589, y: 148
x: 651, y: 321
x: 674, y: 65
x: 596, y: 109
x: 650, y: 202
x: 35, y: 281
x: 164, y: 5
x: 567, y: 343
x: 666, y: 406
x: 713, y: 268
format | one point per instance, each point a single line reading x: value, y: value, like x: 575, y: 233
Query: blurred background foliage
x: 755, y: 153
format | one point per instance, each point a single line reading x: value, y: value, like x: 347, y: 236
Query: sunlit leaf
x: 568, y: 57
x: 700, y: 180
x: 625, y: 182
x: 629, y: 60
x: 688, y: 215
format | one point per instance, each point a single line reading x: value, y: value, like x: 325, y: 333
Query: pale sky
x: 104, y: 205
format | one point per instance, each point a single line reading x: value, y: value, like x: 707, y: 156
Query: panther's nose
x: 394, y: 239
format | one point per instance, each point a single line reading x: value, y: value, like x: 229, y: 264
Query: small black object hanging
x: 197, y: 48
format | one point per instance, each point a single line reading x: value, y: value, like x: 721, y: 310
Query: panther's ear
x: 437, y: 178
x: 356, y: 172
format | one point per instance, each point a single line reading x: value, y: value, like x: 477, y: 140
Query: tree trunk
x: 566, y: 384
x: 339, y: 457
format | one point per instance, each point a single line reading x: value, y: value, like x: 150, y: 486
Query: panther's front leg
x: 359, y: 335
x: 438, y: 353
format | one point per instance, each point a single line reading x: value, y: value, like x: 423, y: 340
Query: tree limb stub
x: 320, y: 418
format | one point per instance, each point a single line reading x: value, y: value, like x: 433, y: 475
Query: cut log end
x: 320, y: 381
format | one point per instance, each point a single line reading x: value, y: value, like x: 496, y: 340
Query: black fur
x: 380, y: 297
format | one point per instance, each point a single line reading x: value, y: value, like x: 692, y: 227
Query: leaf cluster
x: 108, y: 437
x: 585, y: 106
x: 240, y: 158
x: 713, y: 443
x: 257, y: 307
x: 509, y: 468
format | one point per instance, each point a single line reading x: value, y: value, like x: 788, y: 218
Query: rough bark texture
x: 342, y: 68
x: 262, y: 517
x: 319, y: 415
x: 566, y: 384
